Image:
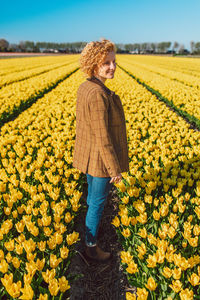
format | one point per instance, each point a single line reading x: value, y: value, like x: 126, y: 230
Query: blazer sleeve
x: 98, y: 105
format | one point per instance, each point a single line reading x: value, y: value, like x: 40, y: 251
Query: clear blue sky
x: 127, y: 21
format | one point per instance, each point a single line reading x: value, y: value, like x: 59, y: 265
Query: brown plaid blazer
x: 100, y: 148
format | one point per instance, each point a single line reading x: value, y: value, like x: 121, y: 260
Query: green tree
x: 4, y: 45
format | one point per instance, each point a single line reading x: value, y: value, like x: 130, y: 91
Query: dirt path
x: 100, y: 281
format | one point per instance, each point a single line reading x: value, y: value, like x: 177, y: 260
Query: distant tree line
x: 29, y: 46
x: 76, y: 47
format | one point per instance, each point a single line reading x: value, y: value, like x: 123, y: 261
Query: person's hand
x: 116, y: 179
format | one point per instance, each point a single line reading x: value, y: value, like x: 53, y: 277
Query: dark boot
x: 97, y: 254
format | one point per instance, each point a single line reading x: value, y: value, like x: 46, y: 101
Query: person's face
x: 107, y: 69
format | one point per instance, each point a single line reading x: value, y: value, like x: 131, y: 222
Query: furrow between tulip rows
x: 40, y: 193
x: 17, y: 97
x: 158, y: 218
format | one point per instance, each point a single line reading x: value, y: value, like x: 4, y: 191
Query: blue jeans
x: 98, y: 190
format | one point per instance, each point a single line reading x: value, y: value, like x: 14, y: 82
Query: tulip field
x: 41, y: 193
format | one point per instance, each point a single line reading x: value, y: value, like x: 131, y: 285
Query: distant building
x: 134, y: 52
x: 50, y: 51
x: 184, y: 51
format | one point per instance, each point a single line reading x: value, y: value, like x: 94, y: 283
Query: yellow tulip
x: 193, y: 241
x: 7, y: 280
x: 132, y: 267
x: 28, y: 278
x: 167, y: 272
x: 151, y: 284
x: 196, y: 229
x: 40, y: 264
x: 43, y: 297
x: 156, y: 215
x: 133, y: 221
x: 194, y: 279
x: 16, y: 262
x: 53, y: 287
x: 1, y: 254
x: 125, y: 199
x: 171, y: 232
x: 176, y: 286
x: 14, y: 289
x: 152, y: 261
x: 27, y: 292
x: 52, y: 243
x: 164, y: 210
x: 68, y: 217
x: 133, y: 191
x: 63, y: 284
x: 41, y: 245
x: 3, y: 266
x: 141, y: 250
x: 20, y: 226
x: 126, y: 257
x: 186, y: 294
x: 152, y: 239
x: 142, y: 294
x: 46, y: 220
x: 116, y: 221
x: 125, y: 220
x: 142, y: 218
x: 72, y: 238
x: 54, y: 261
x: 29, y: 245
x: 7, y: 210
x: 139, y: 206
x: 64, y: 251
x: 143, y: 233
x: 48, y: 275
x: 176, y: 273
x: 121, y: 186
x: 47, y: 231
x: 130, y: 296
x: 31, y: 267
x: 148, y: 199
x: 9, y: 245
x: 126, y: 232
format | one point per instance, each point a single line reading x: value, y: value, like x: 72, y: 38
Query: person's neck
x: 102, y: 79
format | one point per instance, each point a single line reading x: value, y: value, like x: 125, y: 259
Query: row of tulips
x: 40, y: 197
x: 17, y: 65
x: 20, y: 95
x: 184, y: 97
x: 158, y: 218
x: 176, y: 68
x: 34, y: 71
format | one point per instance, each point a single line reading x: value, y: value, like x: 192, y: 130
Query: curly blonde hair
x: 94, y: 54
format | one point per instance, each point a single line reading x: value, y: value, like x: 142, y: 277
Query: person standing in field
x: 101, y: 150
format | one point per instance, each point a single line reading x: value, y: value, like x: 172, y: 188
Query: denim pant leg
x: 89, y: 181
x: 98, y: 189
